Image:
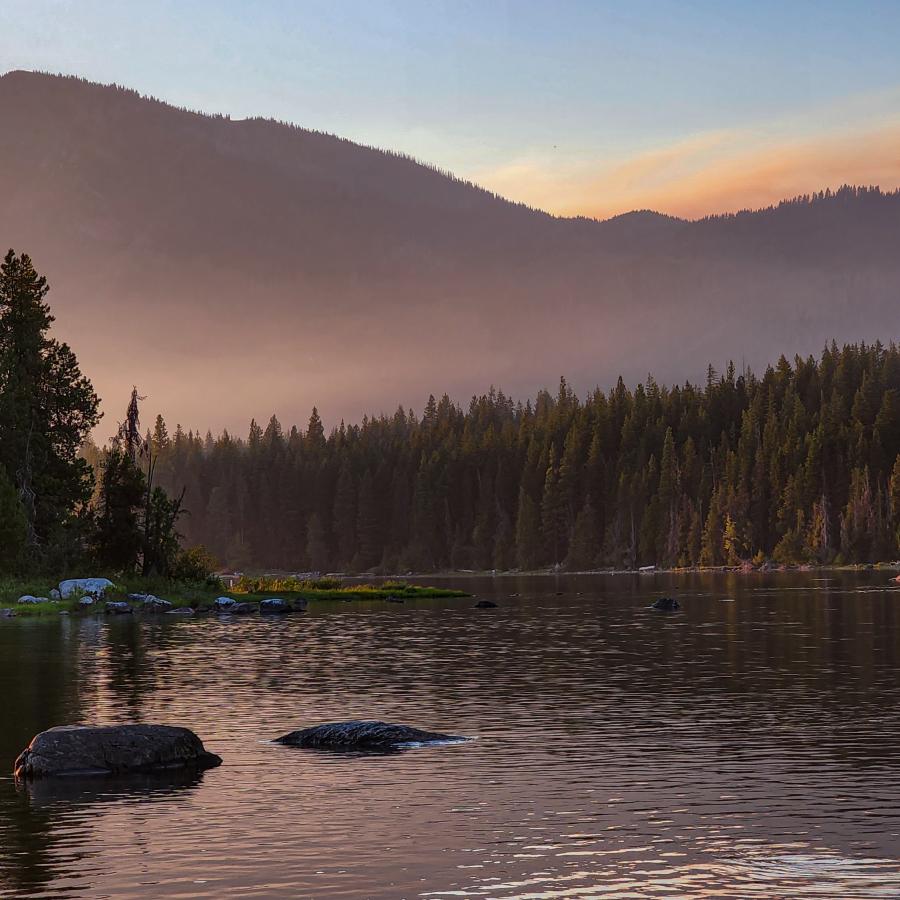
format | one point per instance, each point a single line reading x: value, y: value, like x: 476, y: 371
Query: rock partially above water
x: 118, y: 607
x: 223, y: 604
x: 363, y: 735
x: 274, y: 606
x: 485, y: 604
x: 666, y: 604
x: 7, y: 613
x: 95, y: 750
x: 155, y: 604
x: 96, y: 587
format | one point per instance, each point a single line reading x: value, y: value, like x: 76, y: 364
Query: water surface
x: 744, y: 747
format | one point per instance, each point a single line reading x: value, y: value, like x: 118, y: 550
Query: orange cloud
x: 714, y: 172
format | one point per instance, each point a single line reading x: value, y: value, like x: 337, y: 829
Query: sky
x: 576, y: 107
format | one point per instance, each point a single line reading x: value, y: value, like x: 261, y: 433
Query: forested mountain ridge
x: 797, y: 465
x: 321, y: 265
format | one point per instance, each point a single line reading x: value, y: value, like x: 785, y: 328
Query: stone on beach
x: 155, y: 604
x: 30, y: 599
x: 96, y: 587
x: 99, y: 750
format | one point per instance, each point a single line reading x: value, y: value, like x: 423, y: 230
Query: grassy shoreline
x: 200, y: 597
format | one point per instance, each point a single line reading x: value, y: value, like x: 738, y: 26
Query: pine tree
x: 584, y: 547
x: 528, y: 533
x: 47, y: 408
x: 13, y: 527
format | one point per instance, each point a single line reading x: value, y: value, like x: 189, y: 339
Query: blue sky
x: 574, y: 106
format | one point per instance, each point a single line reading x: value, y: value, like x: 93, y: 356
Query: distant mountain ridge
x: 248, y: 265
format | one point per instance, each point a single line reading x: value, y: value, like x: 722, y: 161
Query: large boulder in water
x: 96, y: 587
x: 359, y: 735
x: 99, y: 750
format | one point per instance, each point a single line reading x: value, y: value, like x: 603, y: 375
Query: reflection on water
x: 734, y: 749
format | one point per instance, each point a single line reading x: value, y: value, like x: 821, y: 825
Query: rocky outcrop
x: 666, y: 604
x: 96, y: 587
x: 95, y: 750
x: 363, y: 735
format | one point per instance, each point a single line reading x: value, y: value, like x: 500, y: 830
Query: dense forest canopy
x: 797, y: 465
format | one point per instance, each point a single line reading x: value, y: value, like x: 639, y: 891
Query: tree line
x: 797, y: 465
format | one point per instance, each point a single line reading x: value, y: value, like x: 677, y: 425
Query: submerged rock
x: 485, y: 604
x: 301, y: 605
x: 666, y: 604
x: 96, y: 587
x: 242, y: 609
x: 180, y: 611
x: 118, y: 607
x: 363, y: 735
x: 95, y: 750
x: 275, y: 606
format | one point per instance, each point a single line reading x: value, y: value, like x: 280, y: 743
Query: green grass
x: 181, y: 594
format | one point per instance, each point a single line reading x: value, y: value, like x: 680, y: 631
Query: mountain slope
x: 234, y: 267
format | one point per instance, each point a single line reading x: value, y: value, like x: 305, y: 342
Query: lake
x: 744, y: 747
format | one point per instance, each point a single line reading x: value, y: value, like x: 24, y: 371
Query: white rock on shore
x: 96, y: 587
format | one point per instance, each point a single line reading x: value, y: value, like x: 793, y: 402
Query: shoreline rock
x: 96, y: 587
x: 110, y: 750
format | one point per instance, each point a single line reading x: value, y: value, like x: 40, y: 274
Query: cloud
x: 719, y: 171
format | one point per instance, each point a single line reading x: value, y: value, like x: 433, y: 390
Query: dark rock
x: 180, y: 611
x: 666, y: 604
x: 301, y: 605
x: 485, y: 604
x: 394, y: 600
x: 156, y: 604
x: 361, y: 735
x: 93, y: 750
x: 274, y: 606
x: 117, y: 607
x: 7, y: 613
x: 242, y: 609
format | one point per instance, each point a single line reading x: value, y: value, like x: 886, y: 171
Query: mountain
x: 232, y: 268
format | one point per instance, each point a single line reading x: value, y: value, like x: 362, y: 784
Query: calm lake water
x: 744, y: 747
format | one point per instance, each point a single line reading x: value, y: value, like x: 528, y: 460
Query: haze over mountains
x: 235, y: 268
